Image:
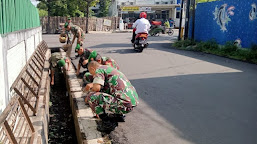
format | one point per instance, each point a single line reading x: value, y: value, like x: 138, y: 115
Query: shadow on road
x: 201, y: 108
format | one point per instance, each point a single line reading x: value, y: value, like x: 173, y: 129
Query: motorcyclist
x: 142, y: 25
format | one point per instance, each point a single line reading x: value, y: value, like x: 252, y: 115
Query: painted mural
x: 227, y: 20
x: 222, y: 15
x: 253, y: 12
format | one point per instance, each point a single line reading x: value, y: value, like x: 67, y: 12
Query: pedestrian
x: 171, y: 21
x: 77, y: 33
x: 119, y: 100
x: 94, y: 56
x: 57, y: 62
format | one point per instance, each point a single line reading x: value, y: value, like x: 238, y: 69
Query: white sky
x: 34, y: 2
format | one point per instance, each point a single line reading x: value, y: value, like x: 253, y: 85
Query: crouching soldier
x: 84, y: 54
x: 94, y: 56
x: 120, y: 99
x: 56, y: 63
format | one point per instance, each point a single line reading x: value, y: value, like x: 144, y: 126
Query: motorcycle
x: 156, y: 31
x: 141, y: 42
x: 156, y: 28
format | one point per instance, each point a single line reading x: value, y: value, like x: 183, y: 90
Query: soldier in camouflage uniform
x: 56, y: 62
x: 94, y: 56
x: 84, y: 54
x: 68, y: 33
x: 120, y: 99
x: 77, y: 32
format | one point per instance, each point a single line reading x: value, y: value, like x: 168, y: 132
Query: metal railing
x: 16, y: 125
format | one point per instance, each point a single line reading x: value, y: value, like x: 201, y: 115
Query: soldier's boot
x: 107, y: 124
x: 118, y: 117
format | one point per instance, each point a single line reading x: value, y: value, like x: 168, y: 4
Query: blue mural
x: 227, y: 20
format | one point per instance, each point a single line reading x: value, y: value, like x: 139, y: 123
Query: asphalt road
x: 185, y: 97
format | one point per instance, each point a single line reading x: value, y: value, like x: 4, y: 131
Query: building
x: 159, y: 10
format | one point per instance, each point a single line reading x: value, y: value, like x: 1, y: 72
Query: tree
x: 73, y: 8
x: 104, y: 7
x: 42, y: 13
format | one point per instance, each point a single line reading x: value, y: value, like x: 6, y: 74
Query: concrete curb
x: 85, y: 124
x: 41, y: 121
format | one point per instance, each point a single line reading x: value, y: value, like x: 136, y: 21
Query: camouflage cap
x: 61, y: 63
x: 69, y: 18
x: 92, y: 55
x: 77, y: 48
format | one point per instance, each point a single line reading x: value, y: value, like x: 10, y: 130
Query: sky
x: 34, y: 2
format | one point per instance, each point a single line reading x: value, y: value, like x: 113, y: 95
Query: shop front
x: 154, y: 12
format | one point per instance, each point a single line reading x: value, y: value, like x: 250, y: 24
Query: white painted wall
x: 30, y: 46
x: 36, y: 39
x: 2, y: 83
x: 16, y: 60
x: 15, y: 50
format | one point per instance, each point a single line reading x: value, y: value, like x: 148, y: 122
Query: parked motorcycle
x: 141, y: 42
x: 156, y: 31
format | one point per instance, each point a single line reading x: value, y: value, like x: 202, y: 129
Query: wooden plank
x: 8, y: 108
x: 38, y: 62
x: 25, y: 67
x: 35, y: 71
x: 40, y: 69
x: 26, y: 115
x: 33, y: 79
x: 25, y: 100
x: 32, y: 138
x: 39, y: 59
x: 29, y: 87
x: 9, y: 133
x: 40, y: 51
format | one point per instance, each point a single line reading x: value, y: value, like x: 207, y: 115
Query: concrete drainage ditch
x: 61, y: 124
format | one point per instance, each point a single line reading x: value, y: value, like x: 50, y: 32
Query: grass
x: 228, y: 50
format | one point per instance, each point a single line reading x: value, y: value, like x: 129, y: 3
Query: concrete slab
x: 85, y: 123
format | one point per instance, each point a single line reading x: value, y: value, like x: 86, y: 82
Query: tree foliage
x: 73, y: 8
x: 104, y: 8
x: 42, y: 12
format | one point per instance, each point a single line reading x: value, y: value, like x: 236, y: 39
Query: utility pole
x: 48, y: 17
x: 193, y: 20
x: 180, y: 21
x: 187, y: 19
x: 87, y: 14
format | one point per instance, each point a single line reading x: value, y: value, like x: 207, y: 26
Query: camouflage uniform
x: 117, y: 94
x: 84, y: 56
x: 88, y: 78
x: 55, y: 57
x: 68, y: 33
x: 75, y: 30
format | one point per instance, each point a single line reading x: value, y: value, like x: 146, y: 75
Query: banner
x: 130, y: 8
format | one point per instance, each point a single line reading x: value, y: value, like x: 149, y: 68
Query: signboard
x: 130, y: 8
x: 145, y: 9
x: 107, y: 22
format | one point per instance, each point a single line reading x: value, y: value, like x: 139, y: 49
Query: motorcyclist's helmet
x: 143, y: 15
